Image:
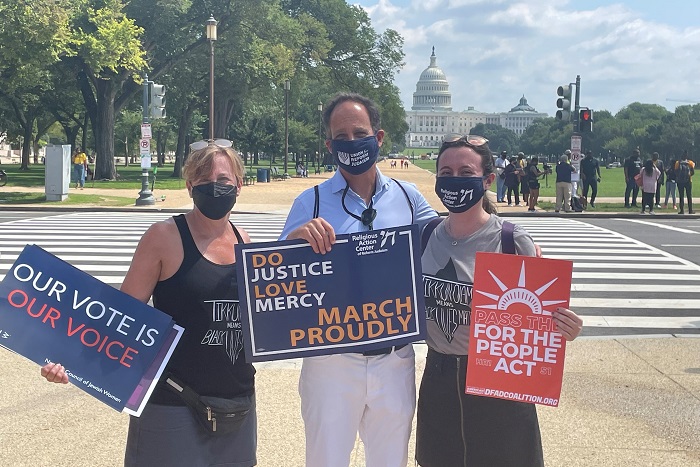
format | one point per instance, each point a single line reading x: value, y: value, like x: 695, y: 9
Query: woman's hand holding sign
x: 568, y: 323
x: 54, y: 373
x: 318, y: 232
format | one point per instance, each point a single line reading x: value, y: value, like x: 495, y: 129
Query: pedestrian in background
x: 563, y: 184
x: 590, y: 176
x: 633, y: 165
x: 659, y: 164
x: 512, y: 172
x: 650, y: 176
x: 685, y: 169
x: 533, y: 181
x: 671, y: 183
x: 79, y: 164
x: 524, y: 187
x: 501, y: 162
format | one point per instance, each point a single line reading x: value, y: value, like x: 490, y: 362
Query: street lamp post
x: 145, y: 195
x: 211, y: 36
x: 286, y: 124
x: 320, y: 137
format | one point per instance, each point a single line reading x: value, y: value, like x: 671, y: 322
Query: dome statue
x: 432, y: 89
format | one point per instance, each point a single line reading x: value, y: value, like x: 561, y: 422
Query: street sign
x: 146, y: 130
x: 576, y: 157
x: 146, y: 161
x: 145, y: 147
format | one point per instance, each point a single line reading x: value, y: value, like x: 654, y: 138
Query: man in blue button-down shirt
x: 373, y: 393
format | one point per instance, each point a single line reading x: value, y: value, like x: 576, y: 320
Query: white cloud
x: 493, y: 52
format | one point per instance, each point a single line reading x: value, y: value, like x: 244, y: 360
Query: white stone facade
x: 431, y: 117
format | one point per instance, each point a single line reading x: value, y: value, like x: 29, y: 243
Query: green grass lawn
x: 72, y: 199
x: 129, y: 177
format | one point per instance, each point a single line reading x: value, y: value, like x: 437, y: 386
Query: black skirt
x: 169, y: 436
x: 455, y: 429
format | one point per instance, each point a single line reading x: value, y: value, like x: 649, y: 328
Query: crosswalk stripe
x: 637, y: 303
x: 663, y: 322
x: 608, y: 258
x: 654, y: 279
x: 600, y: 265
x: 667, y: 288
x: 610, y: 269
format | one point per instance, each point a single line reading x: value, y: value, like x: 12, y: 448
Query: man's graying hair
x: 341, y: 97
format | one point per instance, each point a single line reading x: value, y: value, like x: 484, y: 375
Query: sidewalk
x: 625, y: 402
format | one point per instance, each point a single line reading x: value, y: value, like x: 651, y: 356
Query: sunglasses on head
x: 222, y: 143
x: 470, y: 140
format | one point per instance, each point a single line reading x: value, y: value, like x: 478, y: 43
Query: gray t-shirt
x: 448, y: 277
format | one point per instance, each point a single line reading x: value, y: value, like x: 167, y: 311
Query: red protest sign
x: 515, y: 352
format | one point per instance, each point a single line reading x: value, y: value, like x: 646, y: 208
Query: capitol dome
x: 523, y: 106
x: 432, y: 89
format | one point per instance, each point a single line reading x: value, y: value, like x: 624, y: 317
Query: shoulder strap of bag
x: 507, y: 238
x: 427, y: 231
x: 187, y: 394
x: 408, y: 200
x: 316, y: 201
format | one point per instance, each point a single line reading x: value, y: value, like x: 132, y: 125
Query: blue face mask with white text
x: 356, y: 156
x: 459, y: 194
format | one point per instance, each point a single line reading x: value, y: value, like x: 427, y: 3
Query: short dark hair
x: 341, y: 97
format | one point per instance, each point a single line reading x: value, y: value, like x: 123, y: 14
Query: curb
x: 572, y: 215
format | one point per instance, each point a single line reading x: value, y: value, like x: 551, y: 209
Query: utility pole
x: 577, y: 121
x: 145, y: 196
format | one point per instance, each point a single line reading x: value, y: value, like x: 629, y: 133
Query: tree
x: 108, y: 53
x: 34, y: 35
x: 500, y: 139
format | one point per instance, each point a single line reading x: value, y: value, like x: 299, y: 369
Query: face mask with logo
x: 458, y: 194
x: 356, y: 156
x: 214, y: 199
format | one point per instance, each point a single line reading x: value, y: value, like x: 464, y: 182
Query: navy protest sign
x: 113, y: 346
x: 365, y: 294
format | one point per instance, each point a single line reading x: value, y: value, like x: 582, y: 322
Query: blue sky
x: 495, y: 51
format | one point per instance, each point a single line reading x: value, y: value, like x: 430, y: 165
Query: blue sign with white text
x: 365, y: 294
x: 107, y: 340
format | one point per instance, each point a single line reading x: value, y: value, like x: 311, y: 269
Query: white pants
x: 346, y: 393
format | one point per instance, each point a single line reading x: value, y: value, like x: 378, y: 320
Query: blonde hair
x: 199, y: 163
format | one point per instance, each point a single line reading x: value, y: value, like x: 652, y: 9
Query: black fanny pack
x: 216, y: 414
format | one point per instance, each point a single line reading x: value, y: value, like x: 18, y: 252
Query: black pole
x: 145, y: 196
x: 577, y: 123
x: 286, y: 124
x: 211, y: 89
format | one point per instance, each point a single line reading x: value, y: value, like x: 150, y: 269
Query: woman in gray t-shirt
x: 454, y: 428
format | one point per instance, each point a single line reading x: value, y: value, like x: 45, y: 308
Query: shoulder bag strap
x: 427, y: 231
x: 507, y: 238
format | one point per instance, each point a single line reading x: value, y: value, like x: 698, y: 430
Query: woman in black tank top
x: 187, y: 264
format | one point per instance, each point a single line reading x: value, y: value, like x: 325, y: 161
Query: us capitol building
x: 431, y: 116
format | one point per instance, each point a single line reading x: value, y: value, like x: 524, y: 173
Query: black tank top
x: 202, y: 297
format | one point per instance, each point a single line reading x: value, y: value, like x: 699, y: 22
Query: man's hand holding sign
x: 293, y: 303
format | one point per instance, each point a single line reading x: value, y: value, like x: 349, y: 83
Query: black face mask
x: 214, y: 199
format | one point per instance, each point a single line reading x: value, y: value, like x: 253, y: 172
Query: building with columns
x: 431, y: 116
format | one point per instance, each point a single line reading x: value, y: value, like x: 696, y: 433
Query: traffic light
x: 585, y: 120
x: 156, y: 103
x: 564, y: 102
